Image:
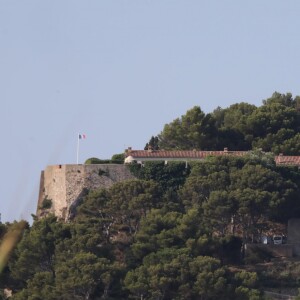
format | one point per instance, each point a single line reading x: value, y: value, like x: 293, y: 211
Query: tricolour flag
x: 81, y: 136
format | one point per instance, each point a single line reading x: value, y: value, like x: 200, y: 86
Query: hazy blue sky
x: 119, y: 70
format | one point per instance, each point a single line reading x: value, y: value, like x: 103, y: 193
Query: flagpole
x: 77, y: 148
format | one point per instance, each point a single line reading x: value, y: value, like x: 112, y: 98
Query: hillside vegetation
x: 174, y: 232
x: 274, y: 126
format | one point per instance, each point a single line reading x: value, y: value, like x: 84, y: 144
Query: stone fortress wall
x: 65, y: 185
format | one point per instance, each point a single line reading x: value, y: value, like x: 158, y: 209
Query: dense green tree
x: 190, y: 225
x: 175, y: 274
x: 79, y: 276
x: 152, y: 144
x: 41, y: 286
x: 233, y: 131
x: 169, y: 176
x: 257, y: 191
x: 118, y: 158
x: 158, y: 230
x: 85, y: 236
x: 284, y: 99
x: 130, y: 201
x: 235, y: 117
x: 246, y: 283
x: 218, y: 211
x: 137, y: 282
x: 233, y: 193
x: 210, y: 278
x: 273, y: 123
x: 197, y: 189
x: 241, y: 126
x: 122, y: 205
x: 290, y: 207
x: 289, y: 146
x: 194, y: 130
x: 35, y: 252
x: 134, y: 195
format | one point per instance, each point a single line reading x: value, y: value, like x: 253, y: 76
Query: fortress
x: 63, y: 186
x: 66, y: 185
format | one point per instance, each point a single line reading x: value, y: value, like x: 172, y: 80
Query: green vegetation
x: 116, y: 159
x: 176, y: 231
x: 46, y: 203
x: 96, y: 161
x: 153, y: 144
x: 274, y: 126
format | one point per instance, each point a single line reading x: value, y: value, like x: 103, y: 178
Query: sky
x: 118, y: 71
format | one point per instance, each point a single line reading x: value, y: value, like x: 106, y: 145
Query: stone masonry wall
x: 65, y: 185
x: 52, y: 186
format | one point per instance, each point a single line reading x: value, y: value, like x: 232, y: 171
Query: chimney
x: 128, y: 150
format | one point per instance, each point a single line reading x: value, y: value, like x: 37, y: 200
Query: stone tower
x: 65, y: 185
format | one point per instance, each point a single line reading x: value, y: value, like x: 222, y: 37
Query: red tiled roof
x: 190, y: 154
x: 287, y: 160
x: 180, y: 153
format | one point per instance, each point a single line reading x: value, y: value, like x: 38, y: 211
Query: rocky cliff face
x: 63, y: 186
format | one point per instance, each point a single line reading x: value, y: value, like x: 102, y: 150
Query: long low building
x: 142, y: 156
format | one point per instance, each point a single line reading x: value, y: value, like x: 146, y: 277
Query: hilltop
x: 177, y: 230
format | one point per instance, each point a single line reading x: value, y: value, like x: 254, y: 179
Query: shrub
x: 102, y: 172
x: 96, y: 161
x: 118, y: 158
x: 46, y: 204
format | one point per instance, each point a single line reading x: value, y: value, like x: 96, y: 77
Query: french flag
x: 81, y: 136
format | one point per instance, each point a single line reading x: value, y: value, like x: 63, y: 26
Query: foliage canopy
x: 172, y: 232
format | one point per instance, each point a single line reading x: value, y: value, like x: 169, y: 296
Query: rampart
x: 65, y: 185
